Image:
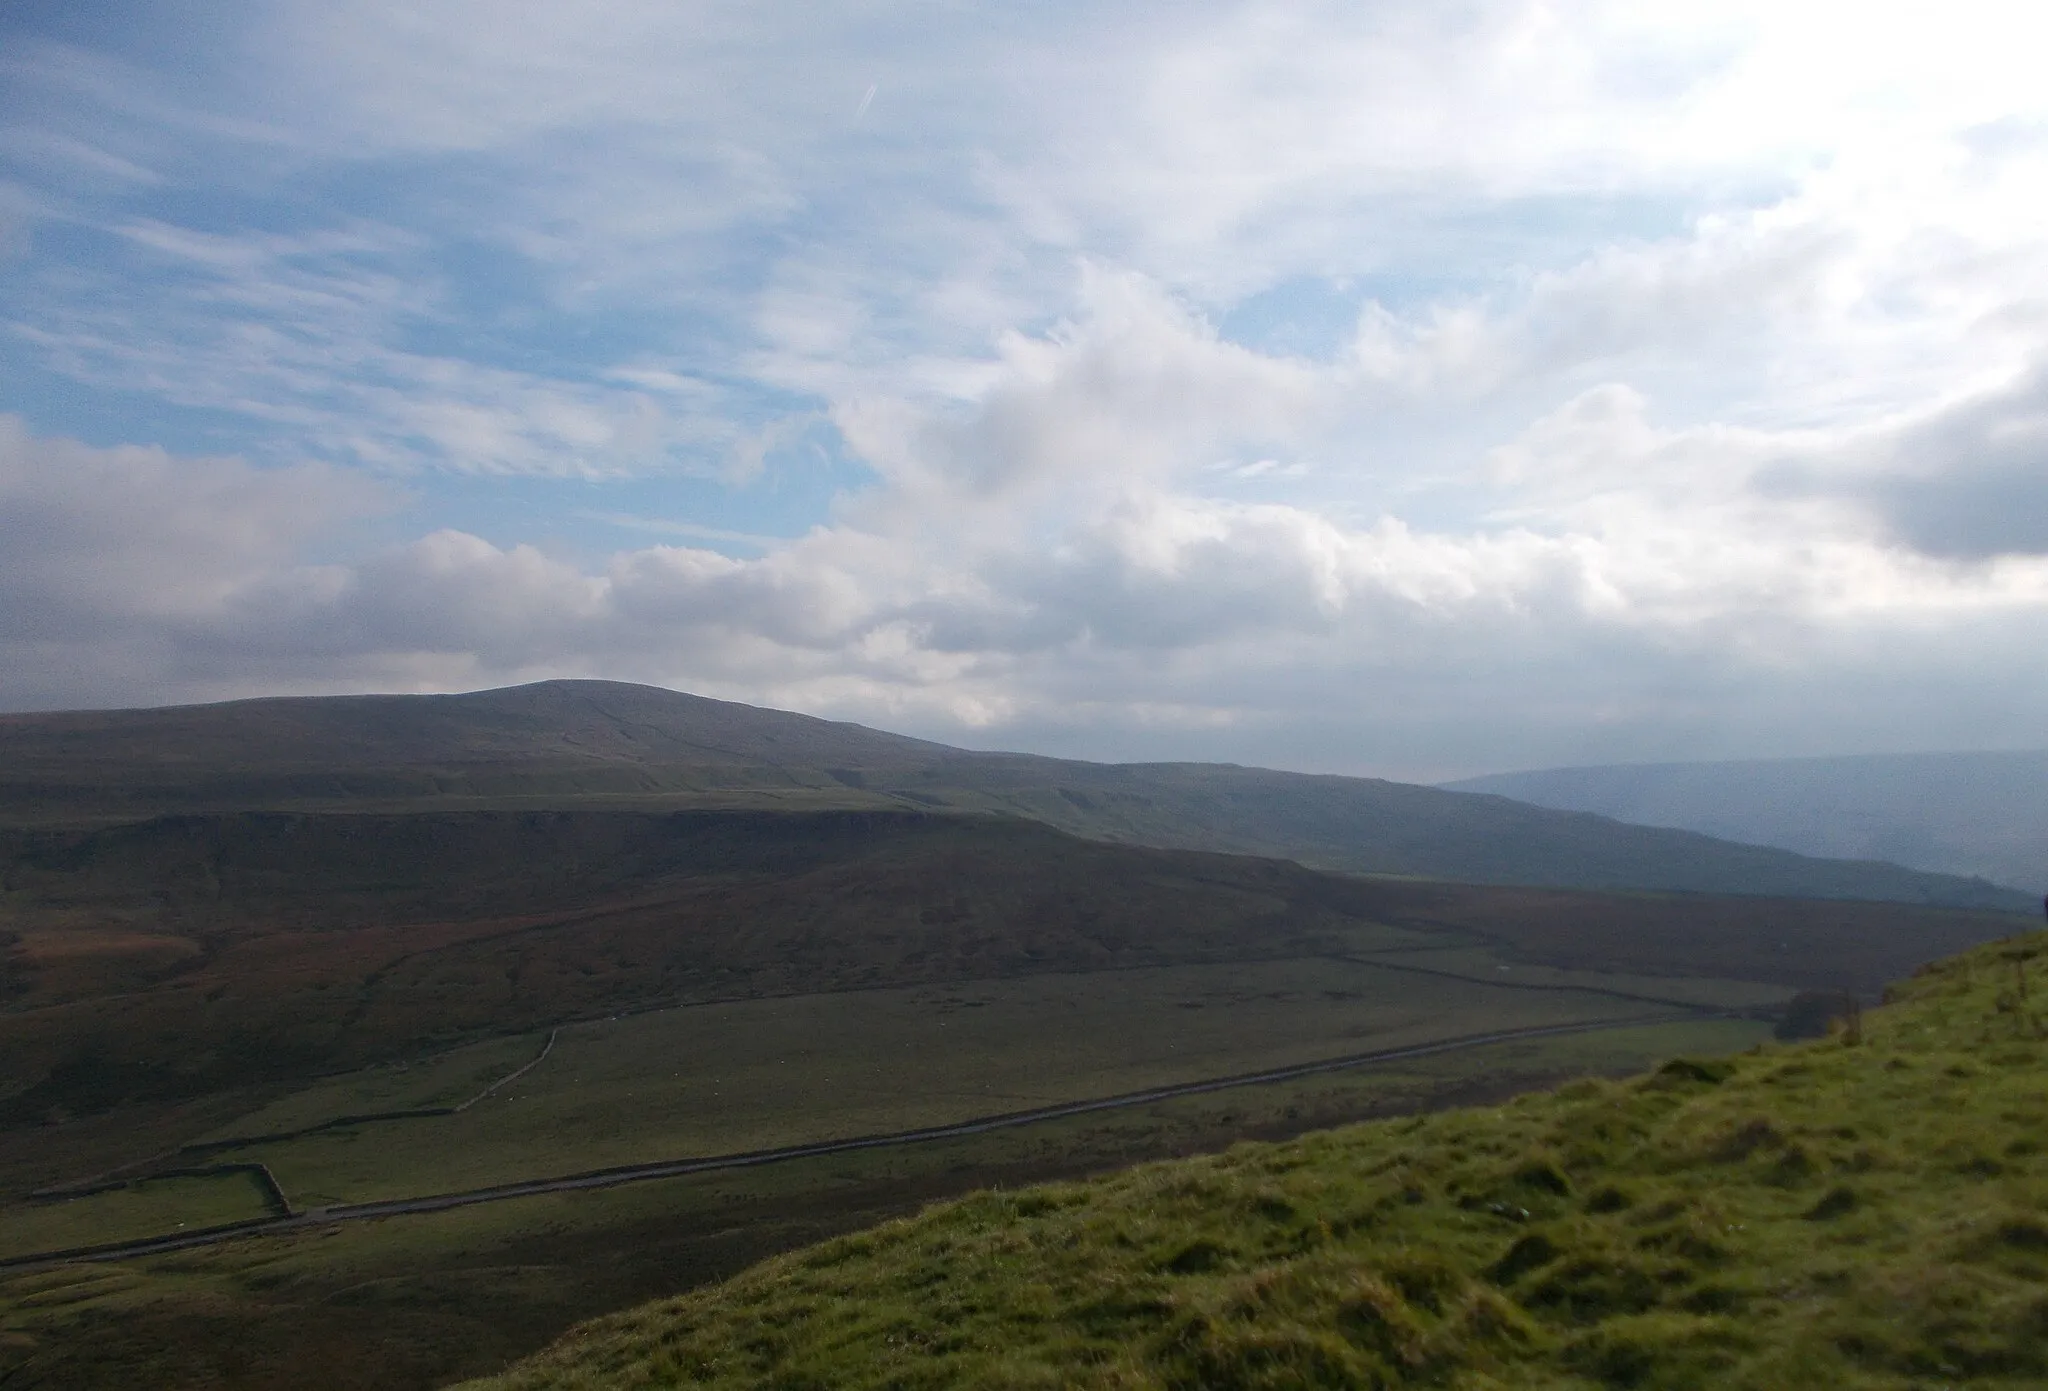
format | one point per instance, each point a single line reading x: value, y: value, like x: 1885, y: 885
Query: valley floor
x: 479, y: 1285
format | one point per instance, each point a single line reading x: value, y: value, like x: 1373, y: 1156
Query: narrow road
x: 676, y: 1168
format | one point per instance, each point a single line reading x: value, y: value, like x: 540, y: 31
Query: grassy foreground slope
x: 1867, y: 1211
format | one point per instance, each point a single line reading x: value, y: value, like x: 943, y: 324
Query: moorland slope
x: 184, y: 955
x: 177, y: 957
x: 558, y: 743
x: 1865, y: 1211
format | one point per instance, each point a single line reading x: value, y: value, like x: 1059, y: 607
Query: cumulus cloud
x: 1132, y: 390
x: 1638, y: 577
x: 120, y: 539
x: 111, y: 559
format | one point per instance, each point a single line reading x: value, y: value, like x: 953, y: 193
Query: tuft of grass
x: 1867, y: 1210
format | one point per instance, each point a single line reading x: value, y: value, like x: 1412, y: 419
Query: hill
x: 224, y: 1024
x: 183, y: 955
x: 1983, y: 815
x: 1865, y: 1211
x: 602, y: 743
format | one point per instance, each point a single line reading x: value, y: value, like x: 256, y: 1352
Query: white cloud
x: 111, y: 559
x: 1134, y: 391
x: 1693, y: 364
x: 1076, y: 577
x: 133, y: 536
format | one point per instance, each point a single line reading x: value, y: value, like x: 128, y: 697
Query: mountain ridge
x: 593, y: 742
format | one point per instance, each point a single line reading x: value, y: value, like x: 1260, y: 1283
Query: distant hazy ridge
x: 594, y: 743
x: 1979, y: 814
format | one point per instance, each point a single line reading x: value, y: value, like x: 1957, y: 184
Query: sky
x: 1411, y: 389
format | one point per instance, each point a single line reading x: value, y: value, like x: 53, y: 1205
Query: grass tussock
x: 1868, y: 1210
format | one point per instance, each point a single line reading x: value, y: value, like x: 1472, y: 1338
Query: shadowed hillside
x: 586, y: 742
x: 179, y: 956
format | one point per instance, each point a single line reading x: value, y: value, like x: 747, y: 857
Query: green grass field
x: 1868, y: 1211
x: 153, y: 1207
x: 420, y: 1301
x: 719, y: 983
x: 442, y: 1079
x: 758, y: 1074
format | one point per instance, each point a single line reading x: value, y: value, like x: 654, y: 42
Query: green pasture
x: 1867, y: 1211
x: 425, y: 1299
x: 149, y: 1207
x: 760, y: 1074
x: 445, y: 1079
x: 1480, y: 963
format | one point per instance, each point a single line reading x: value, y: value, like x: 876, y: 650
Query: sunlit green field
x: 153, y: 1207
x: 1867, y: 1211
x: 759, y: 1074
x: 426, y: 1299
x: 443, y: 1079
